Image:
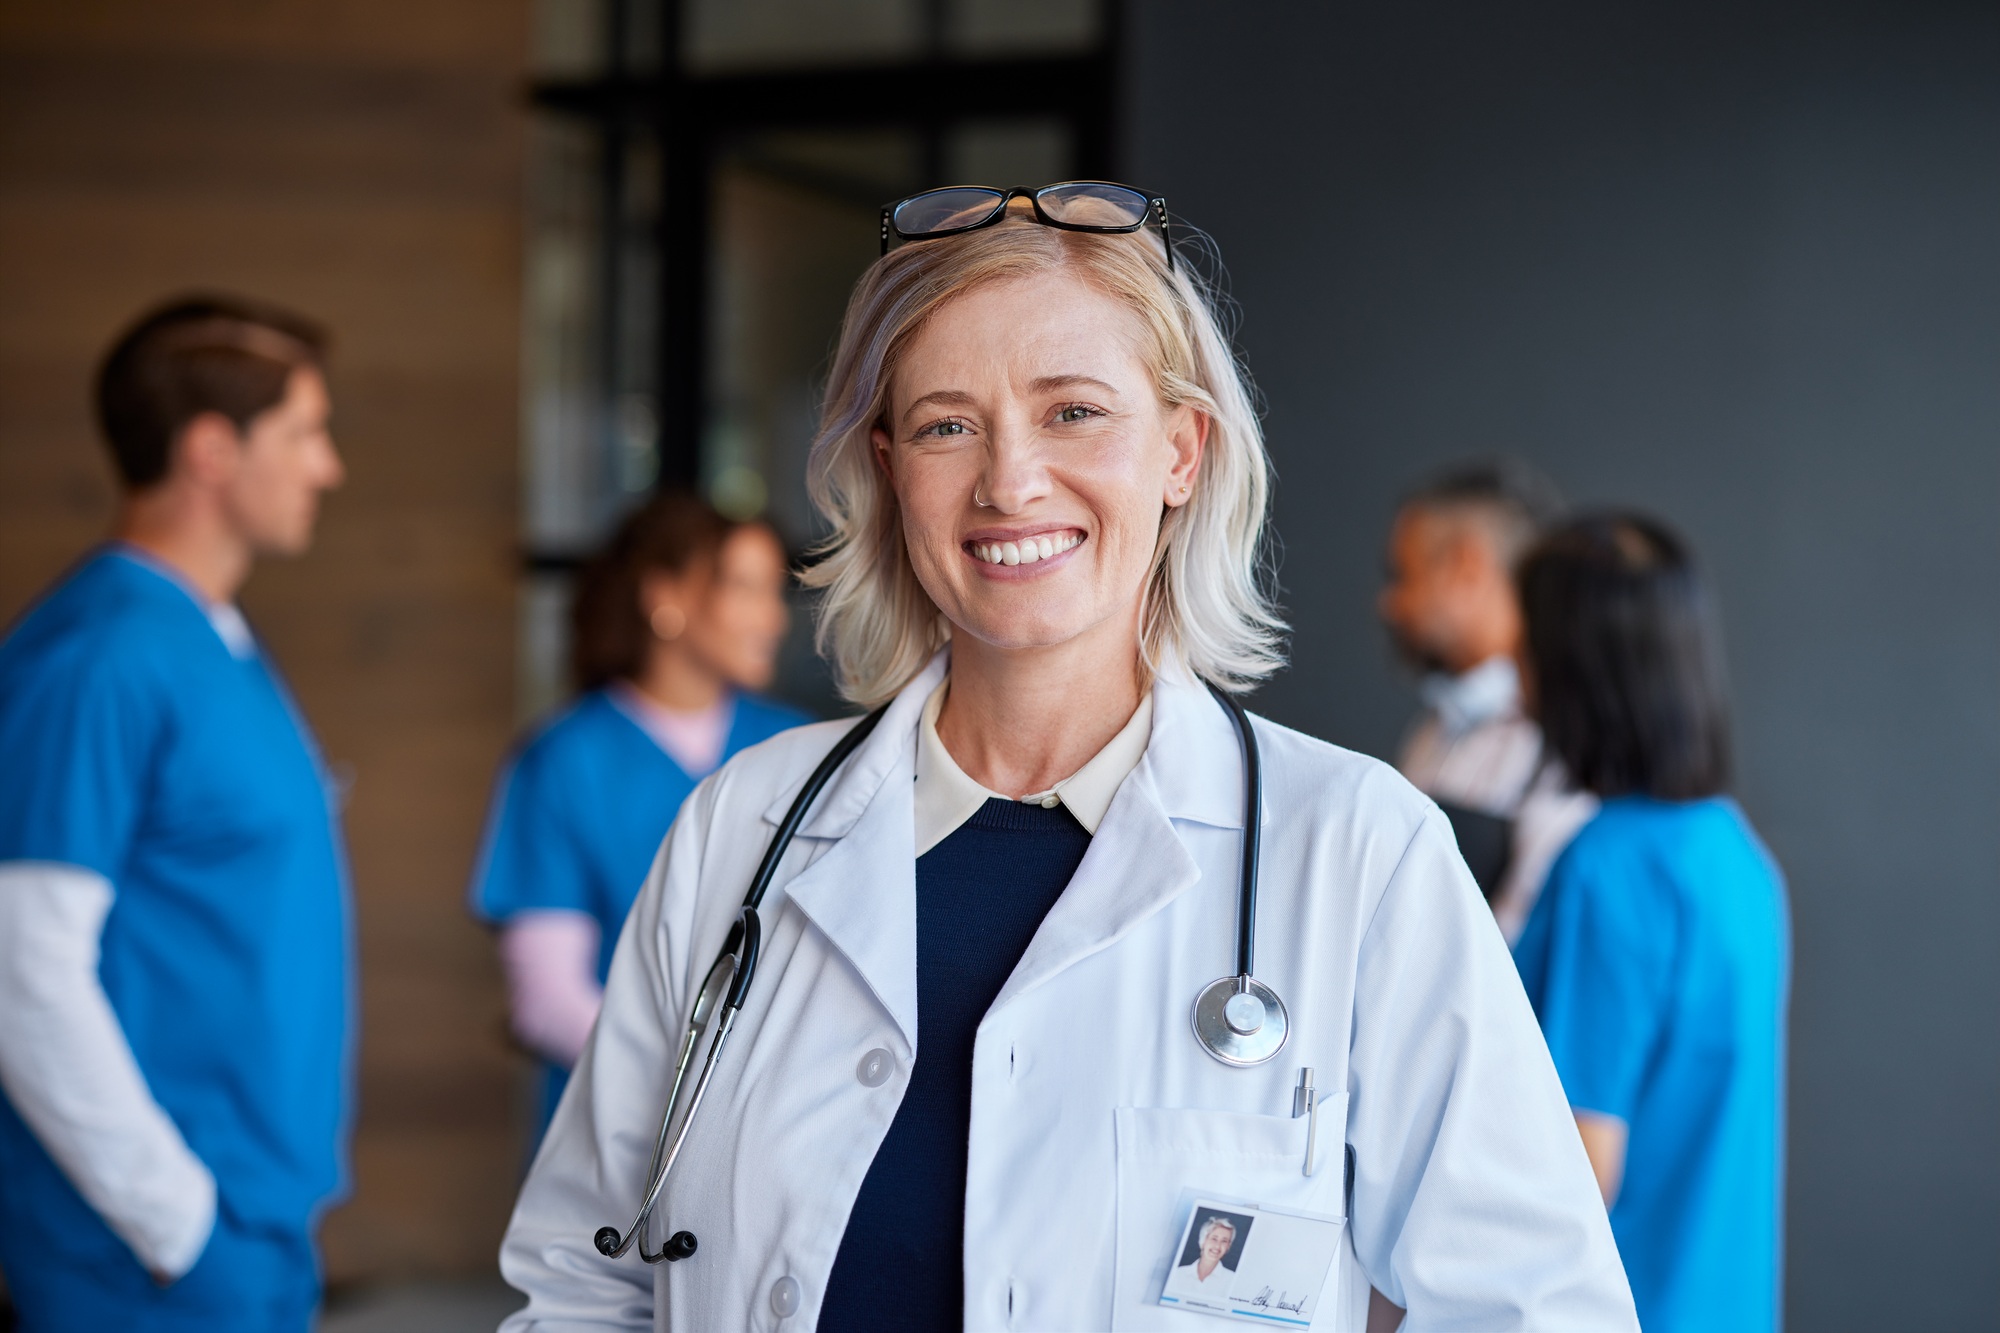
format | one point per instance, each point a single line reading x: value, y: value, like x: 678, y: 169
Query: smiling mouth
x: 1027, y: 550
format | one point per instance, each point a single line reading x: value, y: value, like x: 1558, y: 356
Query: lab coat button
x: 873, y: 1072
x: 785, y: 1297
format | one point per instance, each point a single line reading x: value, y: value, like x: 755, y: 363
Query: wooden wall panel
x: 360, y: 160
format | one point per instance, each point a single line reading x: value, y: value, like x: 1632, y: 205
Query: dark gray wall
x: 1740, y: 267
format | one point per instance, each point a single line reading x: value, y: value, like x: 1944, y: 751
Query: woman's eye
x: 1075, y: 412
x: 939, y: 429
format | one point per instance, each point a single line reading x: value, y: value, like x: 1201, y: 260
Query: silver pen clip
x: 1305, y: 1102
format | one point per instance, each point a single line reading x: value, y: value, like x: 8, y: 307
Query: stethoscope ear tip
x: 606, y: 1241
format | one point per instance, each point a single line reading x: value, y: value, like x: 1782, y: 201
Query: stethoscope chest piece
x: 1240, y: 1021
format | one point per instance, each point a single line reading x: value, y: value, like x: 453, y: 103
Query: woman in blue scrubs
x: 676, y: 624
x: 1658, y: 958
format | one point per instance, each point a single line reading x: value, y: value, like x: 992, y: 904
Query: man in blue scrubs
x: 174, y: 933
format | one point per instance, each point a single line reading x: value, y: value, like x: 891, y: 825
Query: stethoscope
x: 1237, y: 1019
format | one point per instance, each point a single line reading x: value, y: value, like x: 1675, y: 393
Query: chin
x: 1019, y: 632
x: 293, y: 542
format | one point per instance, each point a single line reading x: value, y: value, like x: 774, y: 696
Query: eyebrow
x: 1041, y: 384
x: 1049, y: 383
x: 941, y: 398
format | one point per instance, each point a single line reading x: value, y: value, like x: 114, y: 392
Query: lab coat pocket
x: 1168, y: 1153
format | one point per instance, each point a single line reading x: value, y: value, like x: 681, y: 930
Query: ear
x: 884, y: 458
x: 1187, y: 439
x: 208, y: 449
x: 657, y: 588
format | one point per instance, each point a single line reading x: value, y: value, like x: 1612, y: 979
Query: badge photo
x: 1244, y: 1261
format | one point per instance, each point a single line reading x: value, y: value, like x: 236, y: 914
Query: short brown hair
x: 609, y: 635
x: 194, y: 355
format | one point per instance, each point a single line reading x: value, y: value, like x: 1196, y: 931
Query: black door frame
x: 694, y: 115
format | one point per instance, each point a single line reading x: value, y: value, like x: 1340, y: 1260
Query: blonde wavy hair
x: 1208, y: 610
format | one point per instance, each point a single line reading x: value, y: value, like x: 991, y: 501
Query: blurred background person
x: 675, y: 626
x: 1450, y: 606
x: 1659, y: 956
x: 174, y: 938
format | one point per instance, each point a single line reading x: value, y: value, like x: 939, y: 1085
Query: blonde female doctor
x: 965, y: 1089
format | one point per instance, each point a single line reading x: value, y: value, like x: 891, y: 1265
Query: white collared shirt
x: 947, y: 796
x: 1475, y: 747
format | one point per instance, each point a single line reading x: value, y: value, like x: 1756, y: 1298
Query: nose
x: 333, y: 471
x: 1015, y: 475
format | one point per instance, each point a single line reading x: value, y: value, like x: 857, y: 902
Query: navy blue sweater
x: 981, y: 895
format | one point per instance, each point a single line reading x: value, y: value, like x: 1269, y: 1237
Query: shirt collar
x: 223, y: 617
x: 696, y: 741
x: 1490, y: 690
x: 946, y: 796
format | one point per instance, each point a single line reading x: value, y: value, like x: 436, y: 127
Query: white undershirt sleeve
x: 550, y: 958
x: 69, y: 1072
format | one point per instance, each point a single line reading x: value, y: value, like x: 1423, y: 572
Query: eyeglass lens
x: 946, y: 210
x: 1092, y: 204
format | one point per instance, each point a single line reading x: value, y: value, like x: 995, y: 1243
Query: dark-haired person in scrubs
x: 1659, y: 956
x: 174, y: 933
x: 675, y: 626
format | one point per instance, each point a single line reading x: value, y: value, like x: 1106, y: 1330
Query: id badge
x: 1248, y: 1261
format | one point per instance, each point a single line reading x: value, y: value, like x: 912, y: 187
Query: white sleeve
x: 550, y: 958
x: 1552, y: 811
x: 591, y: 1168
x: 1474, y: 1205
x: 69, y: 1072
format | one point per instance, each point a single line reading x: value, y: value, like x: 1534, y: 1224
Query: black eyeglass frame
x: 1156, y: 212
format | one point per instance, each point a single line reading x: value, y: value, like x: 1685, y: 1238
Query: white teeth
x: 1025, y: 552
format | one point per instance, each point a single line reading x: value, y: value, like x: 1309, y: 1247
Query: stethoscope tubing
x: 740, y: 951
x: 767, y: 869
x: 1253, y: 819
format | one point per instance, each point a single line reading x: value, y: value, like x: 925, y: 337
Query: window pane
x: 558, y: 376
x: 590, y: 358
x: 569, y: 39
x: 1009, y: 153
x: 796, y: 221
x: 1007, y: 27
x: 752, y: 34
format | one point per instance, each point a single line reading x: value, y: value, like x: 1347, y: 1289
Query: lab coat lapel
x: 854, y: 787
x: 1137, y: 862
x: 862, y: 894
x: 862, y: 891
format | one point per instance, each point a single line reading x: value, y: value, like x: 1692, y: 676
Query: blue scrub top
x: 1658, y: 960
x: 134, y: 744
x: 580, y: 811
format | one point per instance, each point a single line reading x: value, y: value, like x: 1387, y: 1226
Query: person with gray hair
x: 1450, y: 606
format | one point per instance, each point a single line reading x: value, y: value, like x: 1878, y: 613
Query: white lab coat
x: 1093, y: 1107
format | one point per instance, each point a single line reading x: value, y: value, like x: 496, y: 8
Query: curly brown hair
x: 609, y: 636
